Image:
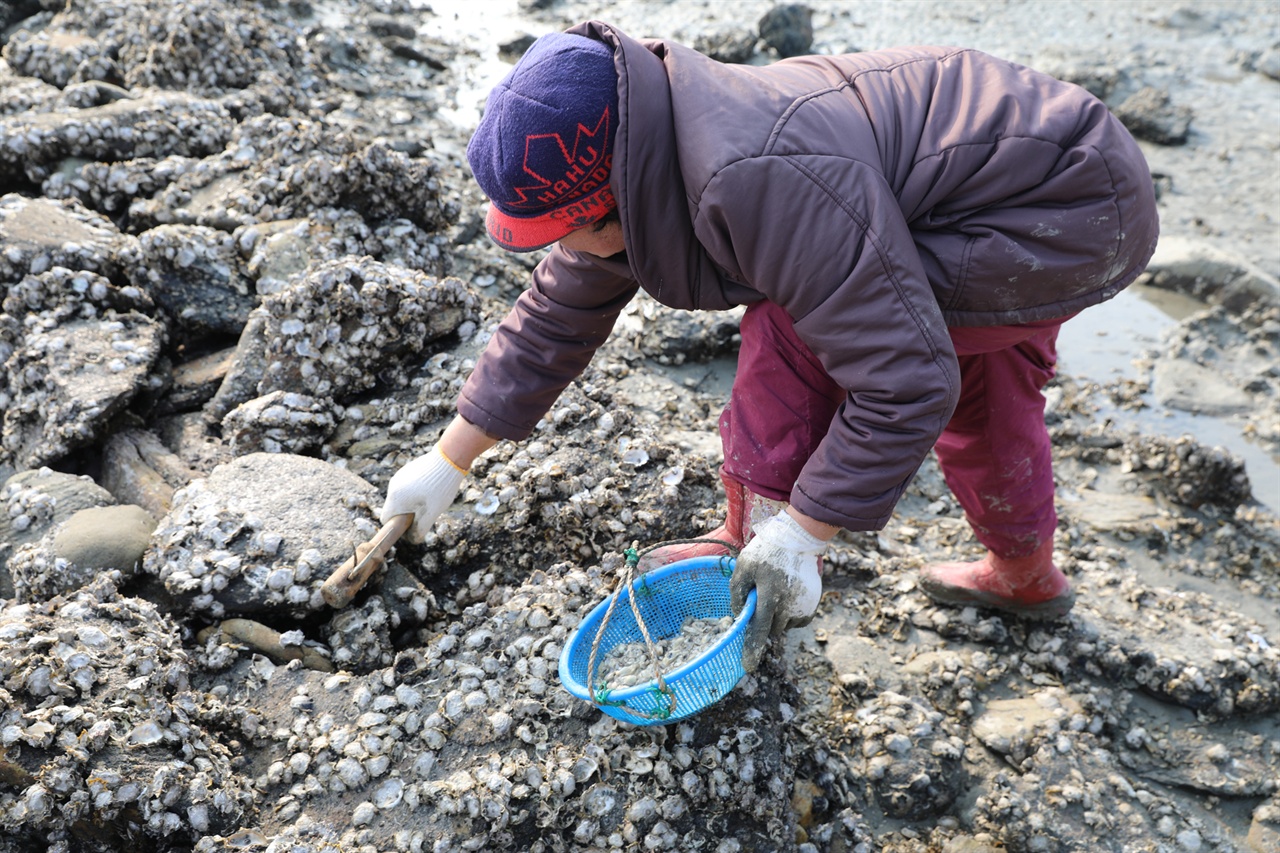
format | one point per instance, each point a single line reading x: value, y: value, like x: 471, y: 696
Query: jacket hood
x: 663, y: 251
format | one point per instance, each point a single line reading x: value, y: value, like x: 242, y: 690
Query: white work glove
x: 784, y: 564
x: 425, y: 487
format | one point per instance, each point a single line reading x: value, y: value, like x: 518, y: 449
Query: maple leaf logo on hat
x: 578, y: 163
x: 540, y: 186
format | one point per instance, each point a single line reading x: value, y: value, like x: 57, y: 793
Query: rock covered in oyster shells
x: 1238, y: 765
x: 157, y: 124
x: 20, y: 94
x: 101, y: 735
x: 75, y: 349
x: 194, y: 274
x: 332, y: 331
x: 33, y: 503
x: 39, y: 500
x: 110, y: 187
x: 1188, y: 472
x: 301, y: 837
x: 261, y: 534
x: 64, y: 382
x: 55, y: 56
x: 279, y: 252
x: 671, y: 336
x: 275, y: 168
x: 278, y: 422
x: 45, y: 299
x: 209, y: 46
x: 40, y: 234
x: 1185, y: 648
x: 912, y: 761
x: 1069, y: 797
x: 360, y: 635
x: 576, y: 475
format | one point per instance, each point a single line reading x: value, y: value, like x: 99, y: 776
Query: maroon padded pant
x: 994, y: 453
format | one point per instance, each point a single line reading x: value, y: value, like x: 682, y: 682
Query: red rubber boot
x: 744, y: 512
x: 1030, y: 586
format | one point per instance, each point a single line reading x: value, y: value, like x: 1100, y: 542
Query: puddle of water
x: 1101, y: 343
x: 1100, y: 346
x: 479, y: 25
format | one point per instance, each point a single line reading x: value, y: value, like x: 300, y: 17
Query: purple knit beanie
x: 543, y: 150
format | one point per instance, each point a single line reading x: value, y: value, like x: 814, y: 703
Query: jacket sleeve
x: 546, y: 340
x: 823, y: 237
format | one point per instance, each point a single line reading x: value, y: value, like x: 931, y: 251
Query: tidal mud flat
x: 244, y: 276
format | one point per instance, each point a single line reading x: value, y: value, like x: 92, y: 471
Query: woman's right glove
x: 784, y: 564
x: 425, y: 487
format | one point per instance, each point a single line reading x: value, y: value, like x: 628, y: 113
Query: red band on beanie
x: 526, y: 233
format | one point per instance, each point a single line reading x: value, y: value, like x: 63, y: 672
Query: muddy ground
x: 245, y: 273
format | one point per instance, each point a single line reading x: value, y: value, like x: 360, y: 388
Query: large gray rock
x: 788, y: 29
x: 1199, y: 268
x: 259, y: 535
x: 1151, y: 114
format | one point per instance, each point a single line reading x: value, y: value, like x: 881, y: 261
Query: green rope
x: 602, y: 697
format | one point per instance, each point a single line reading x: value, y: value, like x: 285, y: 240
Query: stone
x: 788, y: 29
x: 195, y: 382
x: 36, y: 502
x: 1190, y: 387
x: 39, y: 233
x: 109, y: 537
x: 1150, y: 114
x: 137, y: 468
x: 1198, y: 268
x: 1006, y: 725
x: 261, y: 534
x: 727, y: 43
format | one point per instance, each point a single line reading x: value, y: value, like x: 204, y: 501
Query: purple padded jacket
x: 877, y: 197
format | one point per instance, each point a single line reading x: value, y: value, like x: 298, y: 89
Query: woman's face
x: 602, y: 241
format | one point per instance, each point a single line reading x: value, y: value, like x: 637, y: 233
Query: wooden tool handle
x: 352, y: 575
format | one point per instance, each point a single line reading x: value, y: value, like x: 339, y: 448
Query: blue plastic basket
x: 696, y: 588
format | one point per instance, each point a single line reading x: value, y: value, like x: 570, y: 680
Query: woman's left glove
x: 784, y: 564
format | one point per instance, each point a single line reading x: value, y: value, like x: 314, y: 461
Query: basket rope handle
x: 600, y: 695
